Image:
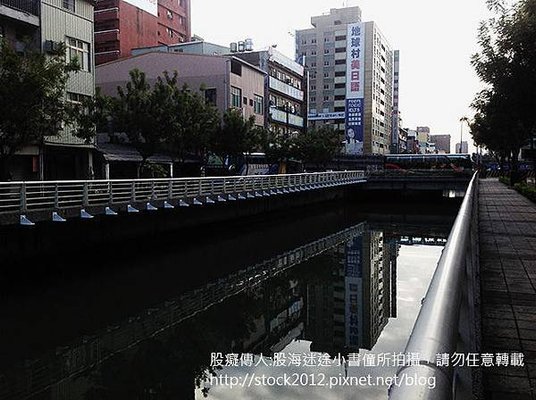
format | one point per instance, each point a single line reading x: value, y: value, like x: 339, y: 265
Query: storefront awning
x: 121, y: 153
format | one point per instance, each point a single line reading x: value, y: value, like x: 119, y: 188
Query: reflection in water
x: 336, y: 294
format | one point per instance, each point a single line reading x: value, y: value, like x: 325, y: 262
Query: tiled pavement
x: 507, y: 227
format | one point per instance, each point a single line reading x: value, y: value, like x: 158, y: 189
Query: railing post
x: 170, y: 189
x: 56, y: 197
x: 85, y: 198
x: 23, y: 203
x: 133, y: 192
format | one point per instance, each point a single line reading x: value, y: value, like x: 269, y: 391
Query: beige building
x: 330, y: 59
x: 378, y: 91
x: 228, y: 81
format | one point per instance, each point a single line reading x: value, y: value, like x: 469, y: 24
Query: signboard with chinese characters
x: 355, y: 86
x: 326, y: 116
x: 151, y: 6
x: 353, y: 285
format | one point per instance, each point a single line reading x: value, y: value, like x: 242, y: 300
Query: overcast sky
x: 435, y: 39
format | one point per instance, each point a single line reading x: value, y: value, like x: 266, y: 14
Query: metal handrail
x: 436, y: 328
x: 26, y: 196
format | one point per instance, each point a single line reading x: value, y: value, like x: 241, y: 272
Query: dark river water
x: 295, y: 306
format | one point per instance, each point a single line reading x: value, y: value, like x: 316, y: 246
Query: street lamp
x: 462, y: 120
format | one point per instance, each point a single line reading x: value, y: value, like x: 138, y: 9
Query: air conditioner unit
x: 51, y: 46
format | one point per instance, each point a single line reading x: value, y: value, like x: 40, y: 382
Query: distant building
x: 442, y: 143
x: 412, y: 143
x: 194, y: 47
x: 350, y: 67
x: 47, y: 23
x: 121, y: 25
x: 465, y: 147
x: 396, y: 123
x: 285, y: 93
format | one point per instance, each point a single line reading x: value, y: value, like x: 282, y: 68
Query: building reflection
x: 337, y: 292
x: 350, y: 310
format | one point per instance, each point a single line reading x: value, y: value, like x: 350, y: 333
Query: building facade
x: 442, y: 143
x: 284, y: 96
x: 350, y: 66
x: 121, y: 25
x: 71, y: 22
x: 48, y: 23
x: 396, y: 124
x: 286, y: 107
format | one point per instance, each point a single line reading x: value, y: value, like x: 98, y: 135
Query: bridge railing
x: 418, y: 173
x: 28, y: 196
x: 437, y: 330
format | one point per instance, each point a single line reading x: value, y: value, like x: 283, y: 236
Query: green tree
x: 318, y: 146
x: 32, y: 90
x: 505, y: 117
x: 235, y: 136
x: 145, y: 114
x: 196, y: 123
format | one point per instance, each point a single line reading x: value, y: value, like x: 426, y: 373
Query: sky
x: 436, y: 40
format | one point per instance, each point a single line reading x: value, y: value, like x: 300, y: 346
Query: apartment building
x: 121, y: 25
x: 350, y: 66
x: 47, y: 23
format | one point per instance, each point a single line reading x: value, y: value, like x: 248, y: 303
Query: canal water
x: 316, y: 304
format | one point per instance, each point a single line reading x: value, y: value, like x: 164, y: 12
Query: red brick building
x: 121, y: 25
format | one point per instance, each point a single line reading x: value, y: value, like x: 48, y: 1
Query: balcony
x: 281, y: 116
x: 286, y: 89
x: 21, y: 10
x: 111, y: 35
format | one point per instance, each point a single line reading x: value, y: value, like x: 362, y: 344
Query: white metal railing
x: 436, y: 330
x: 24, y: 197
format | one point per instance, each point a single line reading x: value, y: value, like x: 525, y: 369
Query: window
x: 340, y: 50
x: 340, y: 73
x: 169, y: 14
x: 236, y: 67
x: 245, y: 100
x: 76, y: 98
x: 258, y: 104
x: 169, y: 32
x: 69, y: 5
x: 236, y: 97
x: 181, y: 20
x: 79, y: 50
x: 210, y: 96
x: 340, y: 62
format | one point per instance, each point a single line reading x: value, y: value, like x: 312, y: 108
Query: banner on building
x: 355, y: 87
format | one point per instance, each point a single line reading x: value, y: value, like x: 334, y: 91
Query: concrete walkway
x: 508, y: 288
